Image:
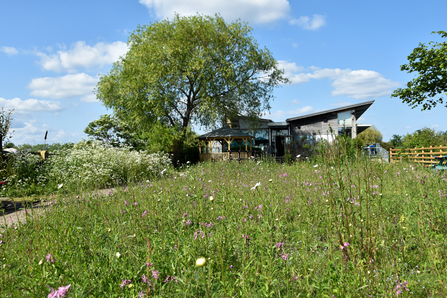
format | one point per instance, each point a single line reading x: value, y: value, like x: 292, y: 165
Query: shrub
x: 91, y: 164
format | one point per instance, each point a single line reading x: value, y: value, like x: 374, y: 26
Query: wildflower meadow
x: 333, y: 226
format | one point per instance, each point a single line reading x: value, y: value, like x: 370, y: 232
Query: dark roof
x: 360, y: 108
x: 277, y: 124
x: 362, y: 127
x: 223, y: 133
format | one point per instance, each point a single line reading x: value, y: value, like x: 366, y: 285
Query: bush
x: 91, y: 164
x: 88, y: 164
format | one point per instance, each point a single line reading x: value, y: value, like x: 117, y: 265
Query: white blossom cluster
x: 101, y: 166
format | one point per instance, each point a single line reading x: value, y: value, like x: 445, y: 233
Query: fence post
x: 431, y: 153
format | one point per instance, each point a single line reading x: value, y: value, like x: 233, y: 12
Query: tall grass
x: 338, y: 227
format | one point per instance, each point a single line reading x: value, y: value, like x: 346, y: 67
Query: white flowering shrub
x: 23, y: 174
x: 97, y: 165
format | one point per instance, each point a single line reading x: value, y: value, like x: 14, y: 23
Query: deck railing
x: 239, y: 155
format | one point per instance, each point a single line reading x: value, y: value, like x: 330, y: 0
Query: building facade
x: 274, y: 137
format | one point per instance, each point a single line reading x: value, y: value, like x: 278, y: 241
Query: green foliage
x: 371, y: 135
x: 24, y: 174
x: 430, y: 86
x: 50, y: 148
x: 336, y: 228
x: 88, y: 164
x: 196, y: 68
x: 111, y: 131
x: 424, y: 137
x: 396, y: 141
x: 95, y: 165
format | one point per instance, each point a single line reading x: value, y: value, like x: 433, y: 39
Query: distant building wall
x: 315, y: 126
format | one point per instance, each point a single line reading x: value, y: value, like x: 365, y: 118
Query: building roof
x: 277, y: 124
x: 360, y: 108
x: 224, y: 132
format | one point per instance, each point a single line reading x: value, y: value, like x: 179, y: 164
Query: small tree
x: 370, y: 135
x: 109, y: 130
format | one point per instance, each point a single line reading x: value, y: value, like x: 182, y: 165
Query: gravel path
x: 12, y: 217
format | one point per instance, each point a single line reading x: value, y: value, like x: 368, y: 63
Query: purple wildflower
x: 155, y: 274
x: 124, y: 283
x: 144, y: 278
x: 279, y: 244
x: 141, y: 294
x: 285, y: 257
x: 50, y: 259
x: 60, y: 293
x: 199, y: 233
x: 144, y: 213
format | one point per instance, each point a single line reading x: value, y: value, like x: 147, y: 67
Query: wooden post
x: 431, y: 152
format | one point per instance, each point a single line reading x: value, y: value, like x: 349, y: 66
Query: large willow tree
x: 190, y: 69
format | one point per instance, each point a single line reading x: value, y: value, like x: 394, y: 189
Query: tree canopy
x: 109, y: 130
x: 370, y: 135
x: 196, y: 69
x: 430, y: 86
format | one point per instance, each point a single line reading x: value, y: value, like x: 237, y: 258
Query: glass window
x: 344, y: 118
x: 280, y: 132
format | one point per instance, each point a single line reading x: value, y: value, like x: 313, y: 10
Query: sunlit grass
x: 331, y: 228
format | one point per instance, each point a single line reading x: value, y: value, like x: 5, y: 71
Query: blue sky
x: 335, y: 53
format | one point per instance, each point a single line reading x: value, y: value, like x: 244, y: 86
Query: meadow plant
x: 343, y: 227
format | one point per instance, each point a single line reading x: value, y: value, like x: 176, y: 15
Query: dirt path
x: 13, y: 216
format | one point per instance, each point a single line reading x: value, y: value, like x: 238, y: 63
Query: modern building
x: 273, y: 137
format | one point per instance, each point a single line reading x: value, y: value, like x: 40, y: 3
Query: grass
x: 338, y: 228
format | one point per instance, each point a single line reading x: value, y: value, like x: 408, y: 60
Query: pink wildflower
x: 60, y: 293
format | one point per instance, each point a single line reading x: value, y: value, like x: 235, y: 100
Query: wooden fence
x: 420, y: 155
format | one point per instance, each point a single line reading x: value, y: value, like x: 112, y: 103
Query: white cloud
x: 83, y: 56
x: 89, y: 98
x: 33, y: 133
x: 281, y: 115
x: 313, y: 23
x: 30, y: 105
x: 30, y: 133
x: 341, y: 103
x: 296, y: 102
x: 9, y: 50
x: 358, y: 84
x: 434, y: 126
x: 72, y: 85
x: 253, y: 11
